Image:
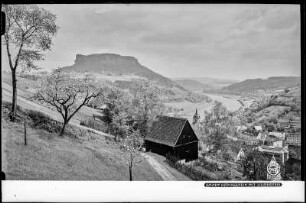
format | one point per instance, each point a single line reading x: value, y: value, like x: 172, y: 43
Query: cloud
x: 183, y: 40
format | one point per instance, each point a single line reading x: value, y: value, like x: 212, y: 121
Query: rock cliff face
x: 116, y: 64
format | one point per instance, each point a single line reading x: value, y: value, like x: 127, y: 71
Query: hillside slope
x: 193, y: 85
x: 210, y: 83
x: 277, y: 108
x: 50, y: 157
x: 271, y: 83
x: 83, y: 154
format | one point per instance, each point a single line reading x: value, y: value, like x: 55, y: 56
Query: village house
x: 240, y: 155
x: 280, y: 153
x: 173, y: 136
x: 258, y: 128
x: 261, y: 137
x: 278, y: 135
x: 241, y: 128
x: 293, y: 141
x: 284, y: 123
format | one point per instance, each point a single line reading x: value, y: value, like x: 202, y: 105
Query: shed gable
x: 187, y: 135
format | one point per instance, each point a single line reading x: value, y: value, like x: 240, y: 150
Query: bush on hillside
x: 286, y: 90
x: 42, y: 121
x: 91, y: 123
x: 210, y: 166
x: 8, y: 105
x: 29, y: 76
x: 273, y: 120
x: 227, y: 156
x: 190, y: 171
x: 172, y: 158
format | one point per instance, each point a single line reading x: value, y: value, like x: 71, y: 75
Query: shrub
x: 273, y: 120
x: 249, y: 119
x: 286, y: 90
x: 190, y: 171
x: 43, y: 121
x: 8, y: 105
x: 200, y: 148
x: 208, y: 165
x: 226, y: 175
x: 172, y: 158
x: 226, y: 156
x: 255, y: 165
x: 91, y: 123
x: 29, y: 76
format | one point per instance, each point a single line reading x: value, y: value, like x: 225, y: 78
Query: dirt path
x: 160, y: 169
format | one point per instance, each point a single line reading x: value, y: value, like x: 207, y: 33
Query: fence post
x: 25, y: 132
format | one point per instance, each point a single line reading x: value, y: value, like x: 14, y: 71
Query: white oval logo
x: 273, y: 167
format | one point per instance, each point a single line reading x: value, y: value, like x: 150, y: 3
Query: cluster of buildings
x: 282, y: 145
x: 175, y: 136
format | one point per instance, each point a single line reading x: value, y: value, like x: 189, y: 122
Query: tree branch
x: 18, y: 55
x: 6, y: 37
x: 86, y: 99
x: 42, y: 98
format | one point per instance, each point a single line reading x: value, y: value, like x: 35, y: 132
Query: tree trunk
x: 25, y: 133
x: 14, y: 98
x: 131, y: 167
x: 63, y: 129
x: 131, y: 171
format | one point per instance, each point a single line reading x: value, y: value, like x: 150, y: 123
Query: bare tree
x: 67, y: 95
x: 29, y: 30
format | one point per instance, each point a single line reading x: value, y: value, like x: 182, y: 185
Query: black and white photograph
x: 151, y: 92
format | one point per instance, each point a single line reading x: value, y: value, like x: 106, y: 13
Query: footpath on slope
x: 161, y: 170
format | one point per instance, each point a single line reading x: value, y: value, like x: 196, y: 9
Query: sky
x: 231, y: 41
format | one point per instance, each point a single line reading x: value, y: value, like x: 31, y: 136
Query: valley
x: 97, y: 96
x: 181, y: 100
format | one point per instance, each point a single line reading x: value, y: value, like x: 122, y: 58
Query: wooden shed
x: 174, y: 136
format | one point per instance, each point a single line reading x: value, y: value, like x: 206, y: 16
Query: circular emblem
x: 273, y: 168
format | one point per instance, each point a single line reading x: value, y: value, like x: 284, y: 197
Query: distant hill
x: 193, y: 85
x: 115, y: 64
x: 271, y: 83
x: 205, y: 82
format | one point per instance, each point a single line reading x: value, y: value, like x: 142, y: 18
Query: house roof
x: 271, y: 148
x: 278, y: 135
x: 261, y: 136
x: 272, y: 139
x: 258, y: 128
x: 166, y: 130
x: 241, y: 127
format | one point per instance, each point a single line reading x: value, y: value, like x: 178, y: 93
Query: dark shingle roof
x: 166, y: 130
